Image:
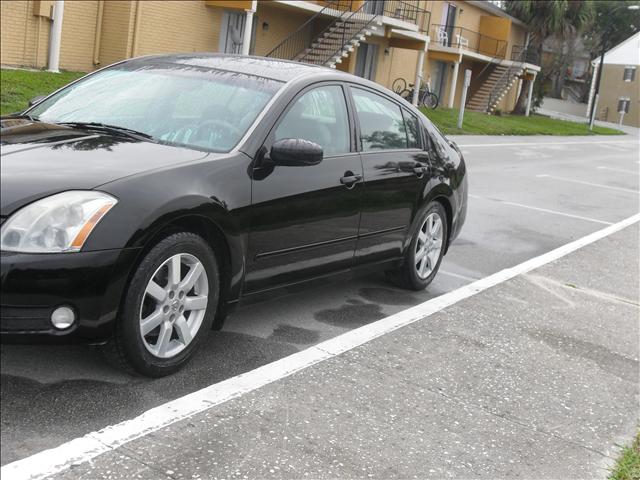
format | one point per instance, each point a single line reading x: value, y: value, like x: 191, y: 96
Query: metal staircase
x: 501, y: 79
x: 497, y: 84
x: 330, y: 35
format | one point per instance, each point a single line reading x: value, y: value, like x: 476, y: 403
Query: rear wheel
x: 406, y: 94
x: 399, y: 84
x: 430, y: 100
x: 425, y: 252
x: 168, y: 308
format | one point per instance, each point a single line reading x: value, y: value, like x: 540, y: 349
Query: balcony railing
x: 405, y: 11
x: 523, y: 54
x: 460, y: 37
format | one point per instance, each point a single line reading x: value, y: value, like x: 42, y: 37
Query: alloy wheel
x: 429, y: 245
x: 174, y: 305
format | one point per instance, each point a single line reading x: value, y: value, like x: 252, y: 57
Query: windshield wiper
x: 22, y: 115
x: 109, y: 128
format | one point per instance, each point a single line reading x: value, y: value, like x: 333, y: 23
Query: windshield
x: 174, y: 104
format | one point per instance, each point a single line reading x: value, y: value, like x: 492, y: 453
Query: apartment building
x: 619, y: 97
x: 432, y: 40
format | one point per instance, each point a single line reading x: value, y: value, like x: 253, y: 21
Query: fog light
x: 63, y: 317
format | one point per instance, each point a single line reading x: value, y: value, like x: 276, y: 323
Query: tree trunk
x: 521, y: 104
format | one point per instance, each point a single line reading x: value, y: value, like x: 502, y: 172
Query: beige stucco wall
x: 193, y: 25
x: 612, y: 87
x: 24, y: 36
x: 280, y: 23
x: 178, y: 26
x: 78, y: 35
x: 117, y: 26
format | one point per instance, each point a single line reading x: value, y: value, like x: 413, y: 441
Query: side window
x: 629, y: 74
x: 320, y: 116
x: 412, y: 128
x: 437, y: 141
x: 381, y: 124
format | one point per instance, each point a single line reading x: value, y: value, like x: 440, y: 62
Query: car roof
x: 286, y: 71
x: 273, y: 68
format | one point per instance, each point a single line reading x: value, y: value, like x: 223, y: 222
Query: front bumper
x: 33, y: 285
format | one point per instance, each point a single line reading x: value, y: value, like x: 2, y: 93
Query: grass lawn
x: 17, y: 87
x: 476, y: 123
x: 628, y: 465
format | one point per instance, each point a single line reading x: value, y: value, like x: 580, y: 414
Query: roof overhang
x: 496, y: 11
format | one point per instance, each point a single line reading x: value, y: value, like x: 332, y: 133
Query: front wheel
x: 169, y: 306
x: 426, y: 249
x: 430, y: 100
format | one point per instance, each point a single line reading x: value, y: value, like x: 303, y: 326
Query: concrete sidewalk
x: 534, y: 378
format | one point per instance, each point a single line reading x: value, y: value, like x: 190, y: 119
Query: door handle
x: 420, y: 171
x: 350, y: 179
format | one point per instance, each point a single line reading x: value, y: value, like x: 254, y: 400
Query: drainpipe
x: 136, y: 27
x: 98, y: 37
x: 55, y: 37
x: 248, y: 26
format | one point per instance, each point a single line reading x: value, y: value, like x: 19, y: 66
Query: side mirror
x: 36, y: 100
x: 296, y: 152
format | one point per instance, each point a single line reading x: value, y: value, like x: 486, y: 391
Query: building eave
x: 497, y: 11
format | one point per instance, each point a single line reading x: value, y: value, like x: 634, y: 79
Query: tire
x: 398, y: 85
x: 430, y: 100
x: 406, y: 94
x: 161, y: 325
x: 416, y: 274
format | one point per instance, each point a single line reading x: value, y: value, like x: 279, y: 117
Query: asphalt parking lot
x: 528, y: 195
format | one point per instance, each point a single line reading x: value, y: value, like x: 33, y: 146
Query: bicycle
x: 426, y: 97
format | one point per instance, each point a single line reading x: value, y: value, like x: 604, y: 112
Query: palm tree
x: 547, y: 18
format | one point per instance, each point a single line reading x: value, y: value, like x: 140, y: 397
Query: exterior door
x: 366, y: 61
x: 304, y: 221
x: 232, y: 32
x: 395, y: 173
x: 449, y: 20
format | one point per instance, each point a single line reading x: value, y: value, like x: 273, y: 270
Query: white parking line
x: 457, y: 275
x: 621, y: 170
x: 543, y: 144
x: 90, y: 446
x: 571, y: 180
x: 545, y: 210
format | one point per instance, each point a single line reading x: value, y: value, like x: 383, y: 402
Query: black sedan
x: 141, y: 202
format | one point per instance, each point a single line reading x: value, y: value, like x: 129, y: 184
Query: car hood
x: 40, y: 159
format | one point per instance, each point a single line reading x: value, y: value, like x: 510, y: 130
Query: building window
x: 623, y: 104
x: 629, y: 74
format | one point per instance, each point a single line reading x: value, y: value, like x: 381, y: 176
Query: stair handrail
x: 476, y: 80
x: 507, y: 73
x: 329, y: 5
x: 358, y: 12
x: 518, y: 63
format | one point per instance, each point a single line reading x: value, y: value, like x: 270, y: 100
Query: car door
x: 395, y: 172
x: 304, y: 220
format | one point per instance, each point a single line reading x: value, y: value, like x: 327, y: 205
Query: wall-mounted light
x: 386, y: 52
x: 461, y: 11
x: 265, y: 26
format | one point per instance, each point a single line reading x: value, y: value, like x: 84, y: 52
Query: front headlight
x: 59, y: 223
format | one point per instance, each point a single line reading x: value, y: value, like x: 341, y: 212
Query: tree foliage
x: 546, y: 18
x: 611, y: 24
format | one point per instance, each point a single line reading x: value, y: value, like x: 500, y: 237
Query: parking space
x: 527, y: 196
